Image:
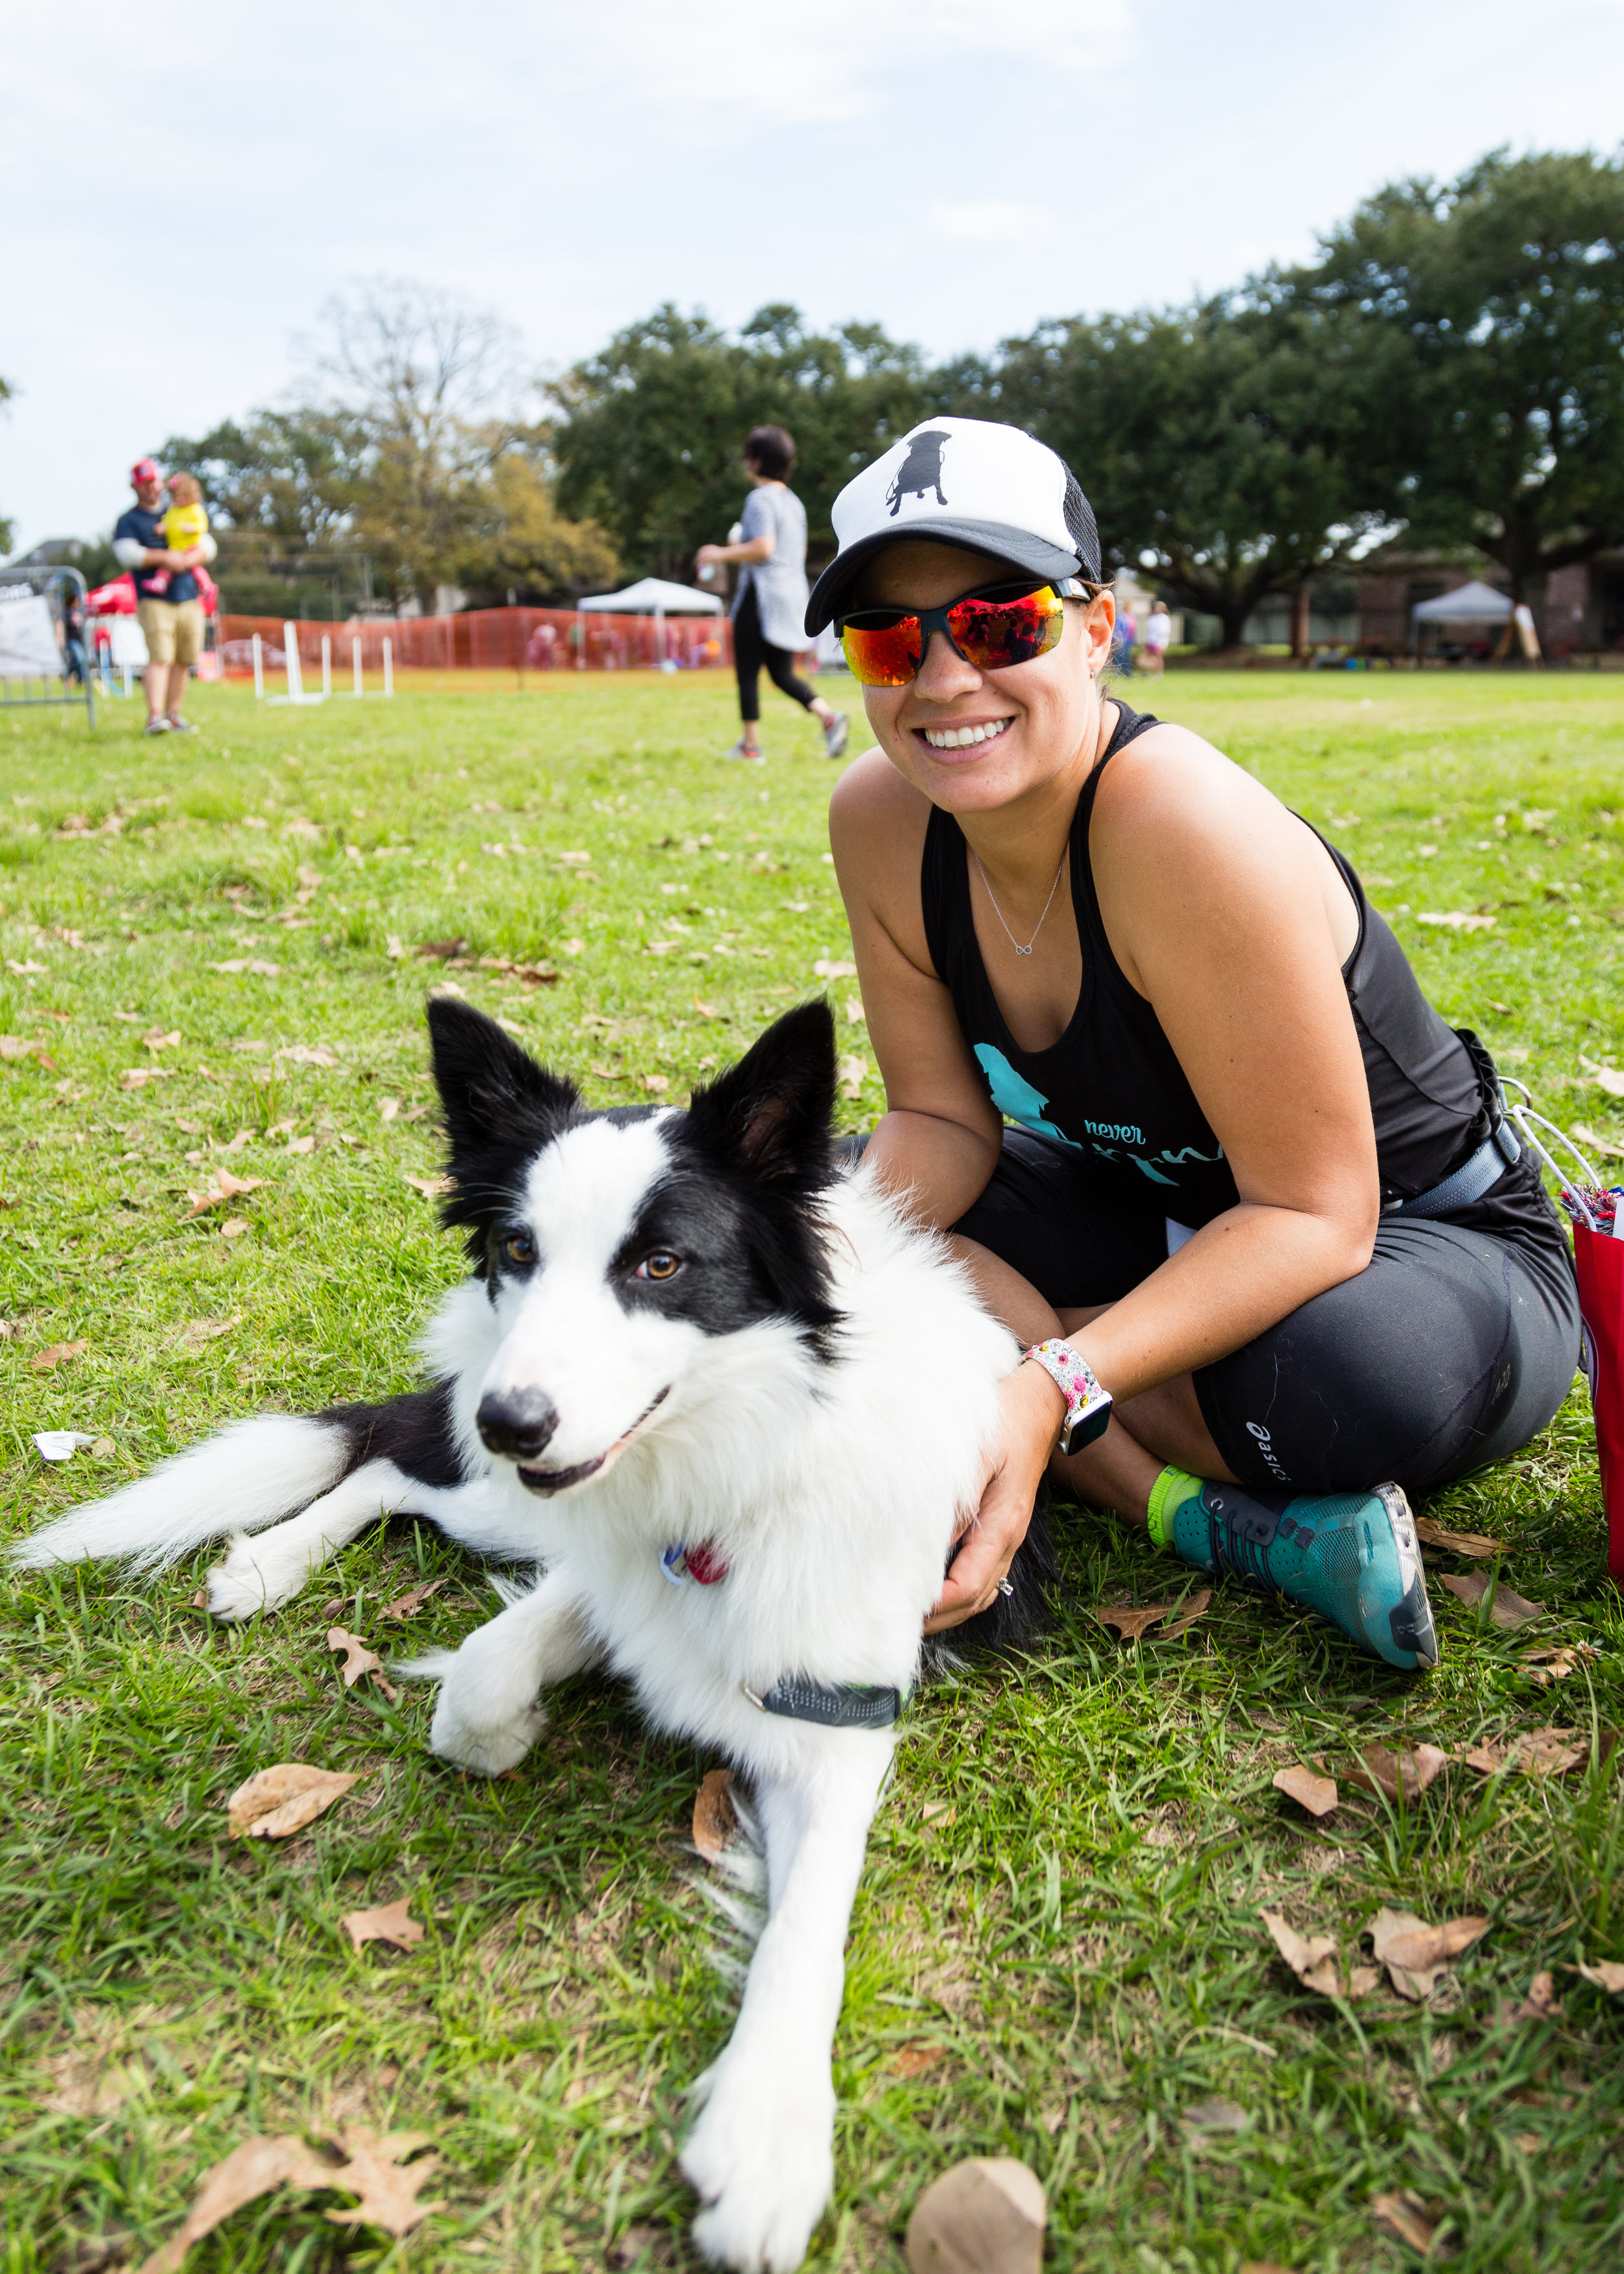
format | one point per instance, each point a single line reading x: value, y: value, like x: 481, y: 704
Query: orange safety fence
x: 488, y: 639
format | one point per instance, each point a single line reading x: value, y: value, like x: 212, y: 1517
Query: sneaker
x: 837, y: 735
x: 159, y: 726
x: 179, y: 726
x: 1352, y: 1557
x: 750, y: 757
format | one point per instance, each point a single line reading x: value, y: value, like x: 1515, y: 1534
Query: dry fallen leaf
x: 1409, y: 1772
x: 1456, y: 1543
x: 1217, y: 2115
x: 431, y: 1187
x: 359, y: 1660
x: 1508, y: 1608
x: 388, y: 1923
x: 138, y: 1077
x: 715, y: 1817
x: 1415, y: 1953
x: 1311, y: 1958
x: 407, y: 1605
x: 851, y: 1072
x: 225, y: 1187
x: 1540, y: 2005
x: 1550, y: 1752
x: 640, y: 2242
x: 385, y: 2185
x: 985, y: 2216
x: 1605, y: 1973
x: 1539, y: 1752
x: 234, y: 1227
x: 1189, y: 1610
x: 1408, y: 2218
x: 1547, y: 1665
x: 46, y: 1361
x: 913, y: 2059
x: 208, y: 1330
x: 655, y: 1083
x: 249, y: 2171
x: 278, y: 1800
x: 1315, y: 1794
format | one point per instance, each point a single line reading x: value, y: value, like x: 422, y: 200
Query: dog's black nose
x: 516, y: 1423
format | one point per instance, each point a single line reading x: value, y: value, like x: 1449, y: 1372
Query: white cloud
x: 991, y: 222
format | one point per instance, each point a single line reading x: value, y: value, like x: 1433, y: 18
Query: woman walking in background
x: 771, y: 602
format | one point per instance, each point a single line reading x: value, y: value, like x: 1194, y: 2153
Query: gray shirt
x: 780, y: 584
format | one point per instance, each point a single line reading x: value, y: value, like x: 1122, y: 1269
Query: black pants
x: 1451, y: 1347
x: 750, y: 653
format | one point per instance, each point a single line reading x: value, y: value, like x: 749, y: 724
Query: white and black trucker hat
x: 962, y: 481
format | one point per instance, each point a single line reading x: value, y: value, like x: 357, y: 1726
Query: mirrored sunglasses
x: 992, y: 630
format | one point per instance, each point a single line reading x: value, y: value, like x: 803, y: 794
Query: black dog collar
x: 832, y: 1706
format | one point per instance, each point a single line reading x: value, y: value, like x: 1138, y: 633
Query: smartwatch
x: 1088, y: 1406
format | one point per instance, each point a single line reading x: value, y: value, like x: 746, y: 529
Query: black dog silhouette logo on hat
x: 921, y: 469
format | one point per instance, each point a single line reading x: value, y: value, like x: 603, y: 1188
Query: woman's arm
x: 754, y: 548
x: 1225, y: 912
x: 938, y: 1142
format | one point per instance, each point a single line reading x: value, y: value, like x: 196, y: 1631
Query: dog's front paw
x: 484, y: 1743
x: 255, y: 1576
x: 761, y: 2157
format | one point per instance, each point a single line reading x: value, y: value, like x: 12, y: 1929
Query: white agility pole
x: 388, y: 666
x: 259, y: 664
x: 129, y: 683
x: 326, y: 662
x: 355, y: 659
x: 296, y: 677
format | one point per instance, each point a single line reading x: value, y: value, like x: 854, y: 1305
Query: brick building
x: 1581, y: 610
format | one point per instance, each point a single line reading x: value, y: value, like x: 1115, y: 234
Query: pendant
x: 1027, y: 949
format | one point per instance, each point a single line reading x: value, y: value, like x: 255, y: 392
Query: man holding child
x: 162, y: 550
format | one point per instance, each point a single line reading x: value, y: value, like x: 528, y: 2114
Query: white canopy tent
x: 1476, y: 603
x: 653, y: 595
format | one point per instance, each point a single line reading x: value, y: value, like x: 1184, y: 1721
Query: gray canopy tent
x: 1476, y: 603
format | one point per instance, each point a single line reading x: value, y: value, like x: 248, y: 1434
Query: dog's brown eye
x: 519, y: 1248
x: 660, y: 1265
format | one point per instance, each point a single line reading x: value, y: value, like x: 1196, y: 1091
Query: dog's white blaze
x: 565, y: 1332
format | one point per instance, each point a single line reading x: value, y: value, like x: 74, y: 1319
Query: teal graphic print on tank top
x: 1018, y: 1102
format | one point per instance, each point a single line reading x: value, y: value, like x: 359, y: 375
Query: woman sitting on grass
x: 1256, y: 1188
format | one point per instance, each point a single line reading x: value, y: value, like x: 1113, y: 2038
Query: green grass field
x: 1057, y: 1951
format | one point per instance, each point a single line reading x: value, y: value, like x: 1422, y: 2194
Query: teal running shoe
x: 1351, y: 1557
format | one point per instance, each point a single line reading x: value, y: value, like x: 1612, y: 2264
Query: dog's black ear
x: 496, y: 1098
x: 772, y: 1114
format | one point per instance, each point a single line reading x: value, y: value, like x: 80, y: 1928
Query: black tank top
x: 1112, y: 1087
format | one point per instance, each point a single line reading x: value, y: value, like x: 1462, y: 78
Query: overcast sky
x: 184, y: 187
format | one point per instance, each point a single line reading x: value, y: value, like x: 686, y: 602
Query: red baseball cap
x: 146, y: 470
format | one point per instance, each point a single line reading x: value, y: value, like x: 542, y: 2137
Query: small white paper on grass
x: 60, y: 1444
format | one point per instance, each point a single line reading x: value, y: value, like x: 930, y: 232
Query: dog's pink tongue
x: 706, y: 1563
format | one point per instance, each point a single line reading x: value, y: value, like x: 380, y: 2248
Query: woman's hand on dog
x: 1032, y: 1410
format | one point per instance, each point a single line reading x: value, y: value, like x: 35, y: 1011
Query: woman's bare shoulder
x: 1171, y: 784
x: 874, y: 815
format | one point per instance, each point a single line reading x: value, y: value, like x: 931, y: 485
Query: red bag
x: 1599, y: 1260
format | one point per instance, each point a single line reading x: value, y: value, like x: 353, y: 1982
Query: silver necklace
x: 998, y: 912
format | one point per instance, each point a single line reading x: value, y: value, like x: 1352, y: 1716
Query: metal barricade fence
x: 40, y: 656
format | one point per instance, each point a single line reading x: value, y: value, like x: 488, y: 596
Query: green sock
x: 1172, y: 1488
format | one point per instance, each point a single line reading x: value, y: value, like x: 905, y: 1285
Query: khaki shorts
x: 173, y: 629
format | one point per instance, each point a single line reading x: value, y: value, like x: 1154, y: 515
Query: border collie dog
x: 711, y: 1382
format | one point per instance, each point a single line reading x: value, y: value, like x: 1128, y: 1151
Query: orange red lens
x: 886, y: 646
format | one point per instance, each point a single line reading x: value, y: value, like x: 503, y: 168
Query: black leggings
x: 1451, y: 1347
x: 751, y: 651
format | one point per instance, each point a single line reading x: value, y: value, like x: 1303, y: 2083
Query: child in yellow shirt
x: 183, y: 525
